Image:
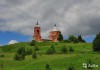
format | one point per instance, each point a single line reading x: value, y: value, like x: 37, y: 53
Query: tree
x: 96, y: 43
x: 73, y: 39
x: 64, y: 49
x: 80, y: 39
x: 32, y: 43
x: 47, y: 67
x: 60, y: 38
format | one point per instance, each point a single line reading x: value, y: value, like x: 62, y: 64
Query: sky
x: 72, y: 17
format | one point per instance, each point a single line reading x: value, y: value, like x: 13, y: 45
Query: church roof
x: 55, y: 28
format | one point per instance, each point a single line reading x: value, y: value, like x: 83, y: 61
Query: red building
x: 37, y: 33
x: 54, y: 34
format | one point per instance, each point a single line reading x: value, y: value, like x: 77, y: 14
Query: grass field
x: 58, y: 61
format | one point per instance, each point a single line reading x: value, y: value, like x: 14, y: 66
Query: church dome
x: 55, y: 29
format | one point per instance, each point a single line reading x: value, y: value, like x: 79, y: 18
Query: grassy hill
x: 58, y: 61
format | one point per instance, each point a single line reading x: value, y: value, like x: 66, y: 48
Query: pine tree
x: 60, y: 37
x: 96, y: 43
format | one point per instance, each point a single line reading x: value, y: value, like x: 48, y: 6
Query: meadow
x: 58, y: 61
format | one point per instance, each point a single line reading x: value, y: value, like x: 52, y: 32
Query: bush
x: 47, y: 67
x: 19, y: 57
x: 53, y: 48
x: 21, y: 51
x: 1, y: 55
x: 36, y: 48
x: 34, y: 55
x: 28, y: 51
x: 71, y: 68
x: 96, y: 43
x: 71, y: 49
x: 64, y: 49
x: 49, y: 51
x: 32, y: 43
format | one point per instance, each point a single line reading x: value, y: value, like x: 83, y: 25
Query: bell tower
x: 37, y: 33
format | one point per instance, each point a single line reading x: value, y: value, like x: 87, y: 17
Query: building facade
x: 54, y: 34
x: 37, y: 33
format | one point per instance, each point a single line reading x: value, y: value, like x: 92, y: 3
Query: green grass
x: 57, y: 61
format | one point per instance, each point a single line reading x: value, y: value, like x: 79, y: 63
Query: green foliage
x: 20, y: 54
x: 34, y: 55
x: 71, y: 49
x: 73, y: 39
x: 80, y: 39
x: 71, y: 67
x: 19, y: 57
x: 47, y: 67
x: 1, y: 55
x: 28, y: 51
x: 53, y: 48
x: 21, y: 51
x: 96, y: 43
x: 66, y: 41
x: 32, y: 43
x: 49, y: 51
x: 60, y: 37
x: 64, y: 49
x: 36, y: 48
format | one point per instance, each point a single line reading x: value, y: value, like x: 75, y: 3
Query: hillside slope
x: 57, y: 61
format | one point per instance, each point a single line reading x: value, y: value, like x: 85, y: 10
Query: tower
x: 37, y: 33
x: 54, y: 34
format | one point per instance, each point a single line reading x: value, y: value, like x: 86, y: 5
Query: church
x: 53, y: 35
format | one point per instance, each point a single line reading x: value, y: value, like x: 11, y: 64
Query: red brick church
x: 53, y: 36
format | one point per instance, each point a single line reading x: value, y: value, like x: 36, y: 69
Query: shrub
x: 71, y: 49
x: 64, y: 49
x: 21, y: 51
x: 47, y: 67
x: 28, y: 51
x: 36, y: 48
x: 1, y: 55
x: 19, y: 57
x: 49, y: 51
x: 53, y: 48
x: 32, y: 43
x: 71, y: 68
x: 96, y: 43
x: 34, y: 55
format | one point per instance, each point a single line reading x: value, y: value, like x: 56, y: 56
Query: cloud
x: 12, y: 42
x: 71, y: 16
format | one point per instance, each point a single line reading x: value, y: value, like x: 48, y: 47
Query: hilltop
x: 58, y: 61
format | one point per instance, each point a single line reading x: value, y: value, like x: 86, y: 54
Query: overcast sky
x: 71, y: 16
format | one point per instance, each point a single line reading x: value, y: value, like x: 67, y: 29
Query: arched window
x: 37, y: 31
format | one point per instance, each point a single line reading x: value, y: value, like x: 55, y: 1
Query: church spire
x: 37, y: 23
x: 55, y: 25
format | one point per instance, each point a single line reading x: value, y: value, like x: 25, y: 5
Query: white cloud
x: 12, y: 42
x: 71, y: 16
